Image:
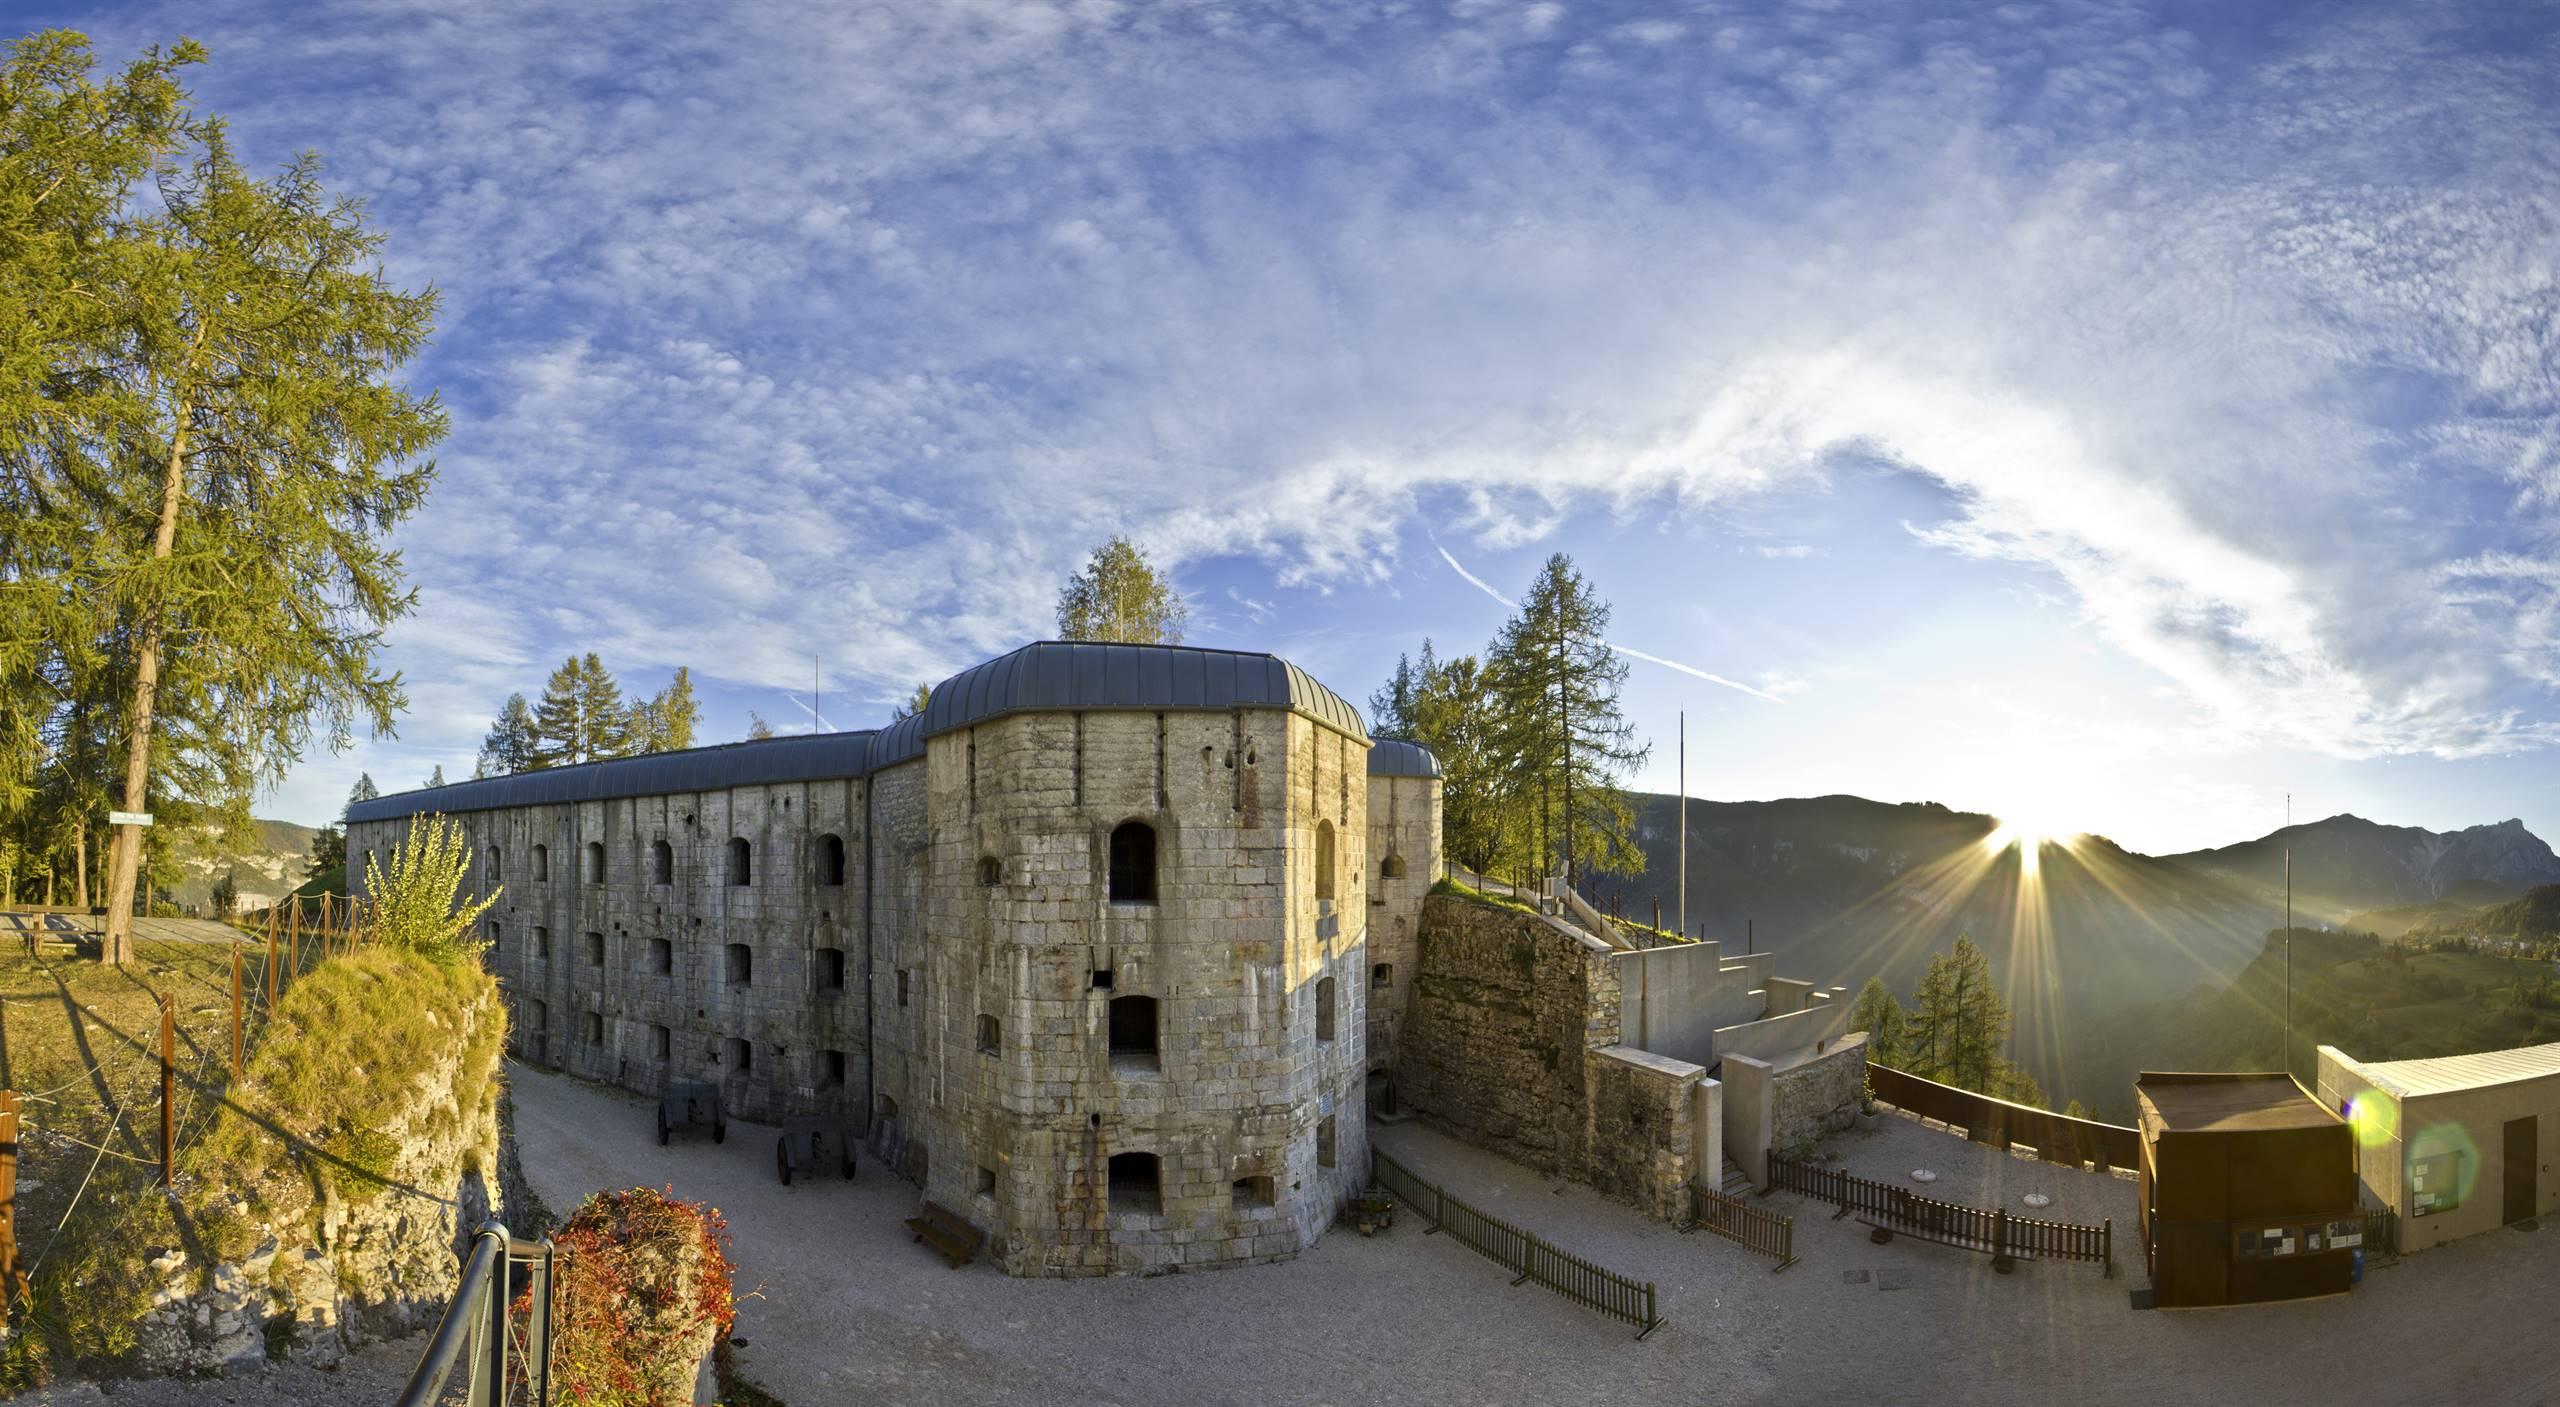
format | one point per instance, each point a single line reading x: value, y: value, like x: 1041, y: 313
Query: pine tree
x: 513, y: 741
x: 222, y: 415
x: 436, y: 777
x: 363, y: 790
x: 1959, y: 1028
x: 1879, y: 1013
x: 328, y: 852
x: 1562, y: 737
x: 1121, y: 597
x: 757, y: 729
x: 912, y: 705
x: 581, y: 717
x: 1455, y: 715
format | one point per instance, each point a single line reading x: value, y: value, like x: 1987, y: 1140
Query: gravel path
x: 846, y: 1309
x: 370, y: 1377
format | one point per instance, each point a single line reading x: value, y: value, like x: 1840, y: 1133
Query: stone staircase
x: 1733, y: 1181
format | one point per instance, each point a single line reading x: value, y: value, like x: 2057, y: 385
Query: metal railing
x: 478, y: 1323
x: 1520, y: 1251
x: 1753, y: 1228
x: 1996, y: 1232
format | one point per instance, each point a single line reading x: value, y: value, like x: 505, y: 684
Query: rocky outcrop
x: 345, y: 1240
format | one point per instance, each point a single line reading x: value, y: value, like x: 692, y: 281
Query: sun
x: 2028, y: 830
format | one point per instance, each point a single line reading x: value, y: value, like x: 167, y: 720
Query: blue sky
x: 2118, y: 413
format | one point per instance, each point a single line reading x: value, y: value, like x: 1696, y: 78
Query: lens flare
x: 2375, y: 1117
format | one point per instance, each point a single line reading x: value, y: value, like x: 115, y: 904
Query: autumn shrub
x: 642, y: 1292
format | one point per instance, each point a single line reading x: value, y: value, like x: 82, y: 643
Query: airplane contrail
x: 1480, y: 584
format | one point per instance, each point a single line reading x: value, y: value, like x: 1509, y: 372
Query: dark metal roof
x: 1053, y: 675
x: 1060, y: 675
x: 798, y: 758
x: 1391, y: 758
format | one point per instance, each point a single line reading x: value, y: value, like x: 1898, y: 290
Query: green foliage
x: 1120, y: 596
x: 1958, y: 1028
x: 328, y: 851
x: 1457, y: 889
x: 1391, y: 708
x: 757, y: 729
x: 581, y: 716
x: 510, y: 745
x: 1559, y: 734
x: 1878, y: 1012
x: 418, y: 903
x: 913, y: 704
x: 666, y: 721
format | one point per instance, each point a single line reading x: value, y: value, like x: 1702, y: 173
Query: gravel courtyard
x: 845, y: 1309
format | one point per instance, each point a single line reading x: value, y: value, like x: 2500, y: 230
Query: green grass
x: 1458, y: 889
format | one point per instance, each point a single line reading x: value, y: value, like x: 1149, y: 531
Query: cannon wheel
x: 662, y: 1125
x: 782, y: 1158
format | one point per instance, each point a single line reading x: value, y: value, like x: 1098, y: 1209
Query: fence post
x: 13, y: 1280
x: 2000, y: 1258
x: 294, y: 950
x: 1652, y: 1320
x: 270, y: 994
x: 168, y: 1091
x: 1437, y: 1209
x: 1528, y: 1255
x: 2107, y: 1245
x: 236, y: 1042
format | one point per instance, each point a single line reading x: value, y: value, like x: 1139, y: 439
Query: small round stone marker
x: 1923, y: 1175
x: 2037, y: 1199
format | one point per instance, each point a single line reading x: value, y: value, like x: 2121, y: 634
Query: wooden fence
x: 2059, y: 1137
x: 1520, y: 1251
x: 1753, y: 1228
x: 1997, y: 1233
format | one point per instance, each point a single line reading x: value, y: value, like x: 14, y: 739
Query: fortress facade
x: 1103, y: 949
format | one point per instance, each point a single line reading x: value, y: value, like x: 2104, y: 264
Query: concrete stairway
x: 1734, y: 1182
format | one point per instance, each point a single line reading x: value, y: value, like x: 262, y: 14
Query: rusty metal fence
x: 1753, y: 1228
x: 1995, y: 1232
x: 1520, y: 1251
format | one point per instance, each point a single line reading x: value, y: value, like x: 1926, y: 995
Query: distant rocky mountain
x: 1843, y: 888
x: 2534, y: 917
x: 265, y: 865
x: 2347, y: 864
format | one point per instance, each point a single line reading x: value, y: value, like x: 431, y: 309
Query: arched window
x: 595, y: 862
x: 1324, y: 1009
x: 1133, y: 1033
x: 494, y: 867
x: 1133, y: 863
x: 542, y: 864
x: 1324, y: 859
x: 740, y: 860
x: 1136, y: 1184
x: 990, y: 871
x: 831, y: 860
x: 990, y: 1036
x: 662, y: 863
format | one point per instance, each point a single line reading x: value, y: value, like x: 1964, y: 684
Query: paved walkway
x: 15, y: 924
x: 846, y: 1309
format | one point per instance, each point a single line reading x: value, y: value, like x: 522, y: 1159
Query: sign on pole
x: 128, y: 818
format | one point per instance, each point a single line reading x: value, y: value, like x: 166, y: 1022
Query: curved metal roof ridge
x: 1044, y: 676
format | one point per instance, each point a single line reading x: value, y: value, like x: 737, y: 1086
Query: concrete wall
x: 1748, y: 1105
x: 1782, y: 1039
x: 2469, y: 1121
x: 1505, y: 1005
x: 1673, y: 999
x: 1404, y: 825
x: 1706, y: 1131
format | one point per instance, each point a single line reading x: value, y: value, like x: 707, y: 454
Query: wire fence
x: 1520, y: 1251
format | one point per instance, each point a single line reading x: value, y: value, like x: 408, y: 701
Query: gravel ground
x: 846, y: 1309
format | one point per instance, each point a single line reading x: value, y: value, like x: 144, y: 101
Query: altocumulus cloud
x: 879, y: 315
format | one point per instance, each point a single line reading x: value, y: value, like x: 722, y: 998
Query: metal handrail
x: 475, y: 1319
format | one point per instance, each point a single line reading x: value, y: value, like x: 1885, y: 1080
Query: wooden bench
x: 943, y: 1229
x: 1881, y: 1231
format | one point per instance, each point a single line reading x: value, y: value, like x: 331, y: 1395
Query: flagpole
x: 1684, y: 823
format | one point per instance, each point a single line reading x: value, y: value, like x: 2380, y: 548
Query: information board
x: 2435, y: 1183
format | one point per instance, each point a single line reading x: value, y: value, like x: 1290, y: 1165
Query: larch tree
x: 1456, y: 715
x: 757, y: 729
x: 1878, y: 1012
x: 912, y: 705
x: 1391, y: 705
x: 1562, y: 736
x: 241, y: 435
x: 1121, y: 597
x: 666, y: 721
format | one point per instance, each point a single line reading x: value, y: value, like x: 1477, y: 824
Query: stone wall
x: 1820, y: 1095
x: 1404, y: 836
x: 1643, y: 1142
x: 270, y: 1272
x: 1505, y: 1006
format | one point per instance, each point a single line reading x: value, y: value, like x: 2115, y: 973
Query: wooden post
x: 168, y: 1091
x: 2000, y: 1259
x: 269, y: 996
x: 235, y: 1008
x: 293, y: 954
x: 13, y: 1278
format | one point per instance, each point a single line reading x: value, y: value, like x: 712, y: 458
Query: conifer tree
x: 1120, y: 596
x: 1455, y: 715
x: 666, y: 721
x: 581, y: 717
x: 757, y: 729
x: 1878, y: 1012
x: 912, y: 705
x: 511, y: 744
x: 436, y: 777
x: 1391, y: 707
x: 215, y: 447
x: 1562, y: 737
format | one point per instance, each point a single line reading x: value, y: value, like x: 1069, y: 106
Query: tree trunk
x: 117, y: 947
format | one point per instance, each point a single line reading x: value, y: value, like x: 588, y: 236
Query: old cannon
x: 807, y: 1140
x: 691, y: 1104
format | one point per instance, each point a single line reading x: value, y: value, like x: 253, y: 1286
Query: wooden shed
x: 2248, y: 1190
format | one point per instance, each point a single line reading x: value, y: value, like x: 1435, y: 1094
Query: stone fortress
x: 1110, y: 950
x: 1089, y: 947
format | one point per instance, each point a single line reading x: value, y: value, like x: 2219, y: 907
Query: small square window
x: 990, y: 1036
x: 595, y: 950
x: 831, y: 969
x: 593, y: 1032
x: 1382, y: 974
x: 1102, y: 979
x: 662, y: 956
x: 662, y: 1044
x: 1247, y: 1194
x: 740, y: 1056
x: 831, y: 1069
x: 542, y: 944
x: 902, y: 986
x: 986, y: 1182
x: 742, y: 965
